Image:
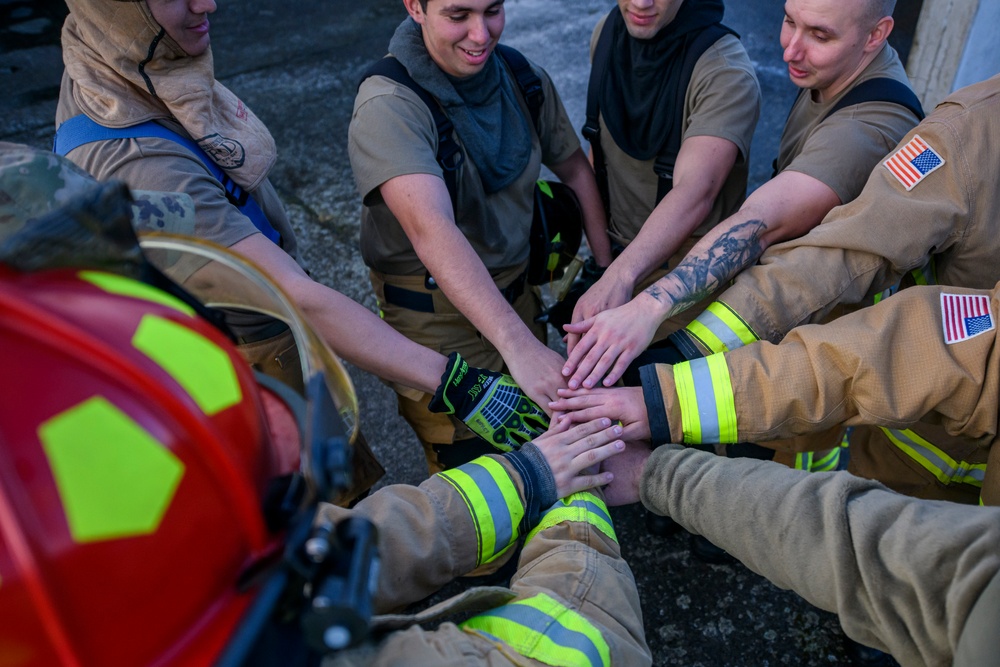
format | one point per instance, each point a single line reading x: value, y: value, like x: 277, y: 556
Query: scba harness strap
x: 879, y: 89
x: 449, y: 154
x: 666, y: 158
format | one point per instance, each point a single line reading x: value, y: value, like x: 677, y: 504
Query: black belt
x: 263, y: 332
x: 423, y: 302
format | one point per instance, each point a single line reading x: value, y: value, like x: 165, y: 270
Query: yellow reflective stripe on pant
x: 582, y: 507
x: 493, y: 503
x: 823, y: 461
x: 925, y: 275
x: 705, y: 395
x: 720, y: 328
x: 946, y: 469
x: 545, y: 630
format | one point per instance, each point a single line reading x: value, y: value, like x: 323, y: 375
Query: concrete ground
x: 296, y: 64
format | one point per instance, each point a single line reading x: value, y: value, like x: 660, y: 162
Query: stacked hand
x: 621, y: 404
x: 574, y: 454
x: 610, y: 341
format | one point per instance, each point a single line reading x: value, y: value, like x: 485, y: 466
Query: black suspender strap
x: 592, y: 126
x: 879, y: 89
x: 667, y: 158
x: 449, y: 154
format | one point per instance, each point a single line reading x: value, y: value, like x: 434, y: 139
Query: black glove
x: 561, y: 313
x: 490, y: 403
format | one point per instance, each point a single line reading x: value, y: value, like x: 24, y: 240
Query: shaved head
x: 876, y: 9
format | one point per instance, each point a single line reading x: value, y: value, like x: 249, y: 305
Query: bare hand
x: 627, y: 471
x: 537, y: 372
x: 605, y: 294
x: 570, y: 452
x: 624, y: 404
x: 611, y: 341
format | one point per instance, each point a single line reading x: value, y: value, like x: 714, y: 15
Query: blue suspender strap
x: 80, y: 130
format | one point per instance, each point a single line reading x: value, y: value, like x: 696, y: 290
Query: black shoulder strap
x: 665, y: 160
x: 592, y: 127
x: 449, y: 154
x: 880, y: 90
x: 528, y: 82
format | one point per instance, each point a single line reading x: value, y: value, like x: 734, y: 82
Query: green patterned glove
x: 490, y: 403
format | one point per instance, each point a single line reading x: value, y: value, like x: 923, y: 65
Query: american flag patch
x: 913, y: 162
x: 965, y: 316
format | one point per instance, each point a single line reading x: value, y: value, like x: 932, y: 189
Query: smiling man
x: 447, y: 238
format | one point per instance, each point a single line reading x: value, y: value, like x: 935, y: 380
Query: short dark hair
x: 876, y: 9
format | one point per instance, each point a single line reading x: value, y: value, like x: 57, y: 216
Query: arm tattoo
x: 697, y: 277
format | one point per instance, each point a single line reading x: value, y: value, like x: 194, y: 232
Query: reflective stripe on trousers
x: 493, y: 502
x: 545, y: 630
x: 946, y: 469
x: 925, y: 275
x: 705, y: 395
x: 720, y: 328
x: 824, y: 461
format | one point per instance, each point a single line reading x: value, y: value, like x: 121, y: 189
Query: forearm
x: 716, y: 259
x: 358, y: 336
x: 842, y: 372
x: 426, y: 537
x: 423, y: 207
x: 352, y: 331
x: 702, y: 166
x: 670, y: 224
x: 876, y: 558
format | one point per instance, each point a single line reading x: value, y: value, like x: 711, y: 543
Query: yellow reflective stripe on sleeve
x: 115, y: 284
x: 582, y: 507
x: 705, y: 396
x: 200, y: 366
x: 542, y: 629
x: 720, y: 328
x: 493, y: 502
x: 946, y: 469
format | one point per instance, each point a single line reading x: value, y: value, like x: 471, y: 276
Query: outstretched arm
x: 423, y: 207
x: 351, y: 330
x: 878, y: 559
x: 702, y: 166
x: 431, y: 533
x: 785, y: 207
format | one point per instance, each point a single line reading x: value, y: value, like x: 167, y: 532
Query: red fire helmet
x: 135, y: 458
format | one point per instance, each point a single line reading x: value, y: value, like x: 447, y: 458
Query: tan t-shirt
x: 722, y: 100
x: 392, y: 133
x: 842, y: 150
x: 151, y: 163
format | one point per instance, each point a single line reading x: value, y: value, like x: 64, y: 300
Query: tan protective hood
x: 127, y: 70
